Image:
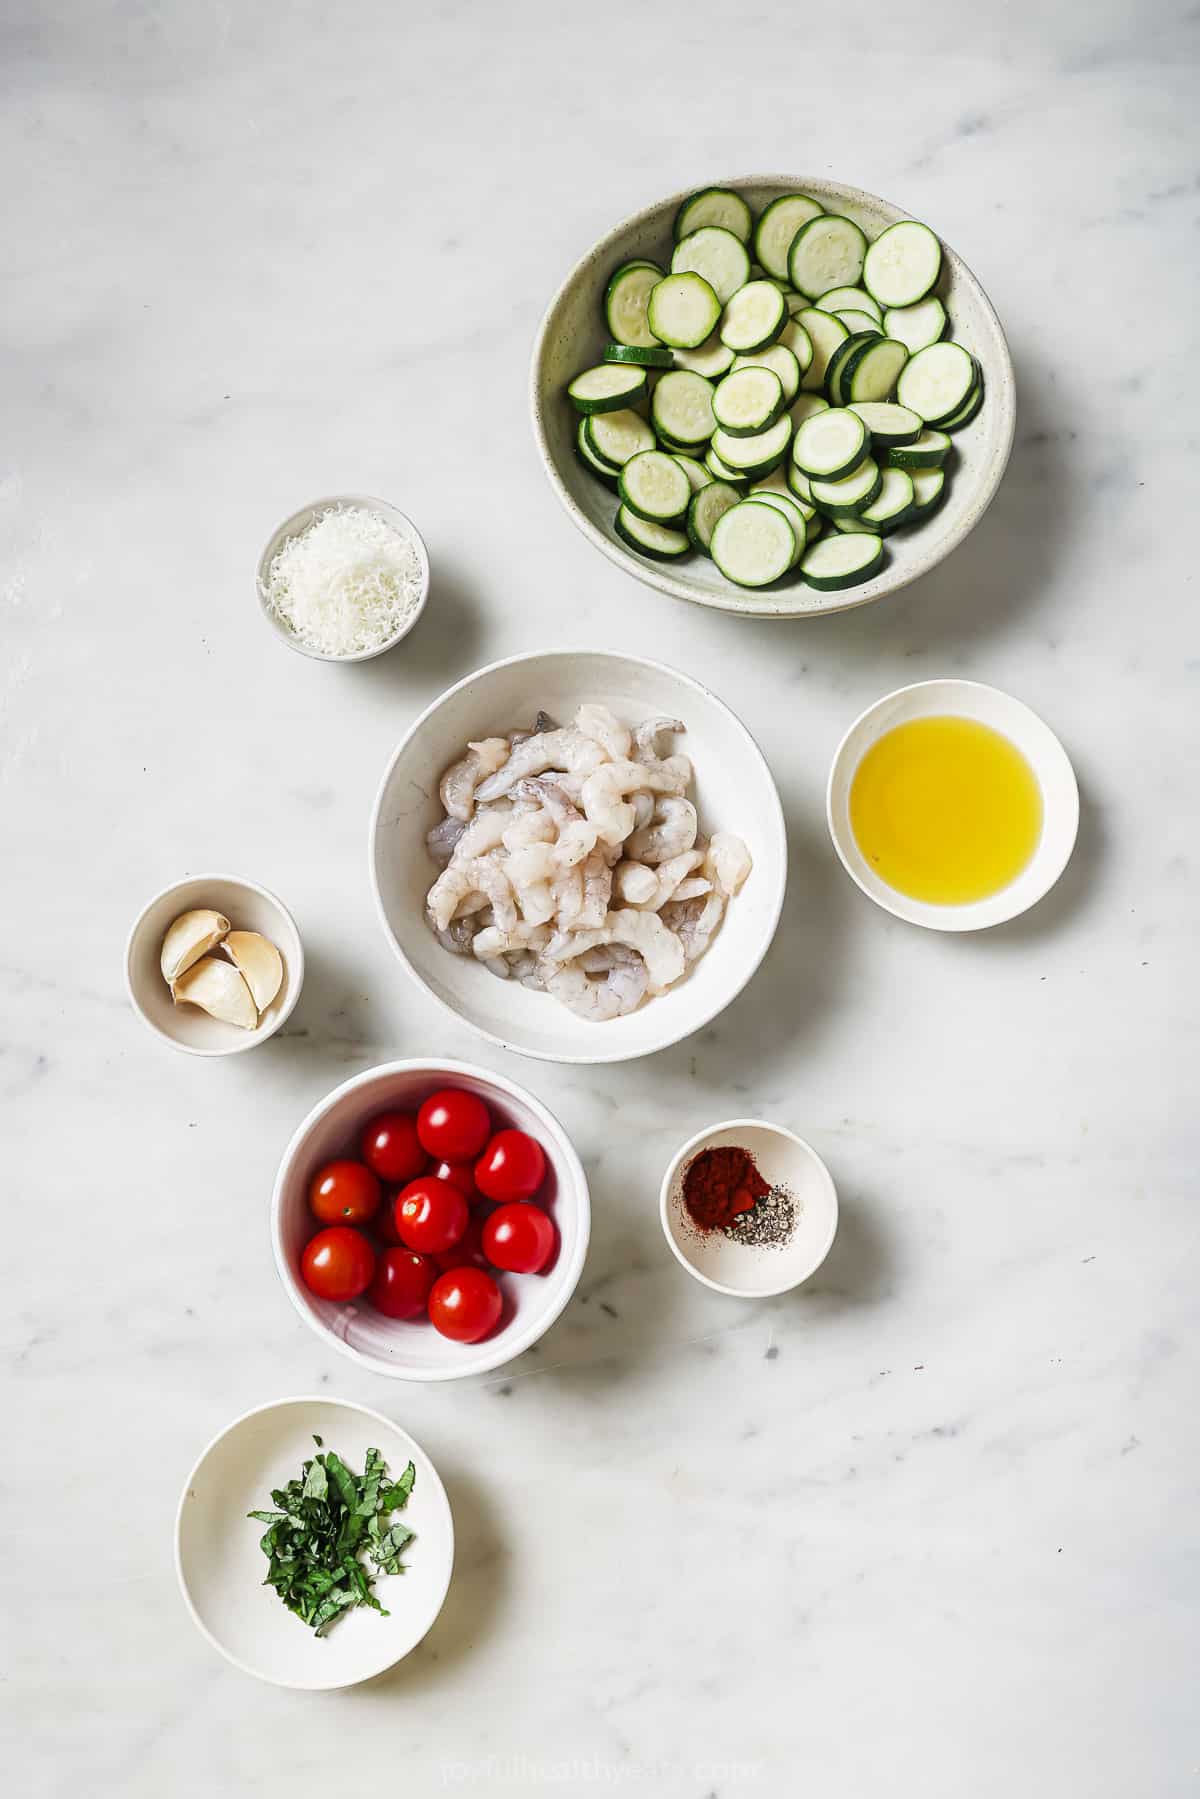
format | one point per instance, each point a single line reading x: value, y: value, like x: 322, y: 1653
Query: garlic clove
x: 218, y: 989
x: 260, y: 963
x: 191, y: 936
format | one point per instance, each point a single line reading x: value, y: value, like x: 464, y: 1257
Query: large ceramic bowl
x: 734, y: 790
x: 572, y: 337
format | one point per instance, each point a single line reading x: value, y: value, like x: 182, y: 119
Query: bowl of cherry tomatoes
x: 430, y: 1220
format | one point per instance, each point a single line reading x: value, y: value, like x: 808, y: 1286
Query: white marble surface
x: 927, y: 1527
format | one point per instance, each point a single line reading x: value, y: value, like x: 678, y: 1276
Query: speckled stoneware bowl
x: 572, y: 336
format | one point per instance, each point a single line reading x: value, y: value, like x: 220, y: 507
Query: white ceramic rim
x: 299, y: 521
x: 690, y: 1148
x: 847, y: 599
x: 508, y: 1344
x: 536, y: 1055
x: 274, y: 1405
x: 997, y: 908
x: 252, y: 1038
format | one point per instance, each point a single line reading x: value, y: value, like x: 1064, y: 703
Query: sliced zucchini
x: 843, y: 359
x: 892, y: 506
x: 718, y: 257
x: 967, y: 410
x: 853, y: 493
x: 606, y: 388
x: 713, y: 358
x: 681, y: 408
x: 616, y: 436
x: 799, y: 483
x: 856, y: 322
x: 649, y: 539
x: 929, y: 490
x: 781, y: 361
x: 757, y: 455
x: 753, y: 544
x: 653, y: 485
x: 872, y: 375
x: 625, y: 300
x: 777, y: 225
x: 795, y: 338
x: 841, y: 561
x: 698, y: 476
x: 857, y: 298
x: 903, y: 264
x: 714, y: 206
x: 916, y: 326
x: 830, y: 444
x: 937, y: 382
x: 705, y: 508
x: 825, y: 334
x: 747, y: 401
x: 929, y: 451
x: 683, y: 310
x: 775, y: 482
x: 827, y: 252
x: 754, y: 317
x: 790, y: 509
x: 888, y: 423
x: 721, y: 471
x: 651, y: 356
x: 804, y: 407
x: 607, y: 471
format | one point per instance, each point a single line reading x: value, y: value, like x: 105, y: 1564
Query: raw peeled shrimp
x: 476, y: 875
x: 694, y: 922
x: 576, y: 837
x: 523, y: 938
x: 672, y: 831
x: 596, y: 877
x: 604, y: 792
x: 647, y: 734
x: 634, y: 882
x: 443, y: 839
x: 618, y: 991
x: 568, y: 750
x: 485, y: 832
x: 727, y: 863
x: 543, y: 722
x: 695, y: 887
x: 598, y: 723
x: 457, y: 789
x: 658, y: 946
x: 459, y: 935
x: 668, y: 877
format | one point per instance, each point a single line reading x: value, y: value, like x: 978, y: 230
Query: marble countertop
x: 927, y: 1526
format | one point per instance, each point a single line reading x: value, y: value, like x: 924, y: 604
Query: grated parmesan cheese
x: 346, y: 583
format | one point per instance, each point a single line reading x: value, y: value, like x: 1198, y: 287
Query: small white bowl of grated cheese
x: 344, y: 579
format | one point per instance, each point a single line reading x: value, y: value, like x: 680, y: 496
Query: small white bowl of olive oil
x: 952, y: 805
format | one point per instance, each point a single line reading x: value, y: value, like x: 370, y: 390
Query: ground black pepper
x: 769, y: 1224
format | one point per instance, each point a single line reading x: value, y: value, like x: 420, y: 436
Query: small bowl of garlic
x: 214, y: 965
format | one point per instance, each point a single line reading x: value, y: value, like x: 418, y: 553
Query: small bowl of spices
x: 344, y: 579
x: 749, y: 1208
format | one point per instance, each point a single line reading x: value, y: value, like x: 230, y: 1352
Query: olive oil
x: 945, y: 810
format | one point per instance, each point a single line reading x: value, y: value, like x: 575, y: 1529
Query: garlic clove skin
x: 218, y: 989
x: 191, y: 936
x: 259, y: 962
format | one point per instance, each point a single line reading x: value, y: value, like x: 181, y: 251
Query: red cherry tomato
x: 344, y: 1193
x: 512, y: 1167
x: 467, y: 1252
x: 465, y: 1304
x: 453, y: 1126
x: 385, y: 1222
x: 429, y: 1215
x: 460, y: 1175
x: 338, y: 1263
x: 519, y: 1238
x: 401, y: 1283
x: 391, y: 1147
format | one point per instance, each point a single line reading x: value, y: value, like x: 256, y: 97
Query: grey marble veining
x: 927, y: 1527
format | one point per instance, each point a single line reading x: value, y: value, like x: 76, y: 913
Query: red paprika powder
x: 721, y: 1183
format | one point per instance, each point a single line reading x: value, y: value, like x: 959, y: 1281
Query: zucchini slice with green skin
x: 653, y: 485
x: 616, y: 436
x: 937, y: 382
x: 698, y: 476
x: 903, y: 264
x: 831, y: 444
x: 967, y: 410
x: 642, y: 356
x: 681, y: 408
x: 748, y: 401
x: 852, y: 494
x: 718, y: 257
x: 775, y: 482
x: 928, y: 451
x: 842, y: 561
x: 892, y: 506
x: 916, y: 326
x: 838, y: 299
x: 781, y: 361
x: 857, y: 322
x: 754, y: 456
x: 804, y: 407
x: 606, y: 388
x: 825, y: 333
x: 705, y: 508
x: 799, y: 483
x: 625, y: 300
x: 754, y: 317
x: 827, y: 252
x: 714, y: 206
x: 607, y: 471
x: 683, y: 310
x: 790, y: 509
x: 777, y: 225
x: 649, y: 539
x: 929, y: 490
x: 873, y: 375
x: 753, y: 544
x: 795, y: 338
x: 842, y: 361
x: 888, y: 423
x: 721, y: 471
x: 713, y: 358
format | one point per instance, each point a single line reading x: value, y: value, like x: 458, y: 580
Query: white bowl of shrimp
x: 580, y: 854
